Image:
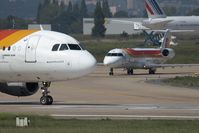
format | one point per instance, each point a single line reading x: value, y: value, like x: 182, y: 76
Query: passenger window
x: 55, y: 47
x: 9, y: 48
x: 63, y: 47
x: 74, y: 47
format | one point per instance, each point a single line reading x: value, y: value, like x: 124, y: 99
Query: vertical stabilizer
x: 166, y: 40
x: 153, y: 9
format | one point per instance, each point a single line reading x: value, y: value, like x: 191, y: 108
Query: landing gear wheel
x: 152, y: 71
x: 50, y: 100
x: 111, y: 72
x: 46, y: 99
x: 43, y: 100
x: 130, y: 71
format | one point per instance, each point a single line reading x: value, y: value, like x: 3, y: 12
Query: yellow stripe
x: 15, y: 37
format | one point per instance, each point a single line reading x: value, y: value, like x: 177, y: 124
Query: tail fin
x: 153, y: 9
x: 166, y: 40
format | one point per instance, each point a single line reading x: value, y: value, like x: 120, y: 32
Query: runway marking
x: 125, y: 107
x: 136, y: 117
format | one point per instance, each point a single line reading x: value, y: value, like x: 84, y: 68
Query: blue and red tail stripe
x: 156, y: 7
x: 149, y: 8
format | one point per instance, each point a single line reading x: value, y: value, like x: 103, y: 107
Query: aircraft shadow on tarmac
x: 11, y: 103
x: 157, y: 74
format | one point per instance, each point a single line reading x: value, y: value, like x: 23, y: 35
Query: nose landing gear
x: 111, y: 72
x: 46, y: 99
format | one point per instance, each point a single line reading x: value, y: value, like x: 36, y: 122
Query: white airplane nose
x: 108, y: 61
x: 112, y: 61
x: 87, y: 63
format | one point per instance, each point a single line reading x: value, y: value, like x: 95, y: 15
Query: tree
x: 83, y: 9
x: 76, y: 10
x: 106, y: 9
x: 194, y: 12
x: 39, y: 12
x: 46, y: 2
x: 99, y: 28
x: 170, y: 11
x: 70, y: 7
x: 47, y: 12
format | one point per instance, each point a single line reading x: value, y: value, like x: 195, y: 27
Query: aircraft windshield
x: 114, y: 54
x: 74, y: 47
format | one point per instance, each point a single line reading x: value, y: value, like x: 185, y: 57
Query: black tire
x: 130, y: 71
x: 50, y: 100
x: 151, y: 71
x: 111, y: 74
x: 43, y: 100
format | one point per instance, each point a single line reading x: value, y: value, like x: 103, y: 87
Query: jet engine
x: 167, y: 52
x: 19, y: 89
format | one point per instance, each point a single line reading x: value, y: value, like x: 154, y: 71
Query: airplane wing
x: 122, y: 21
x: 158, y: 23
x: 172, y: 65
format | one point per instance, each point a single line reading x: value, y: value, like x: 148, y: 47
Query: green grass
x: 187, y: 81
x: 49, y: 125
x: 186, y: 51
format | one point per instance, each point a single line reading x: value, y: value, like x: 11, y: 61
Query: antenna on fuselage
x: 13, y: 23
x: 41, y: 27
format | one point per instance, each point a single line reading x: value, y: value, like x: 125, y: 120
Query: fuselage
x: 34, y: 56
x: 135, y: 58
x: 174, y: 23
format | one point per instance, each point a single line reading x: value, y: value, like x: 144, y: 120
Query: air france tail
x: 167, y: 39
x: 153, y: 9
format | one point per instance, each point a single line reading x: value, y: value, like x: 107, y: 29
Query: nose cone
x: 112, y: 61
x: 87, y: 63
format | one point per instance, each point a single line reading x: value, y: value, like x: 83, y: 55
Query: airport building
x: 113, y: 27
x: 38, y: 26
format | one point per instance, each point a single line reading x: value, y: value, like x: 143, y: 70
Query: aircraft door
x: 31, y: 49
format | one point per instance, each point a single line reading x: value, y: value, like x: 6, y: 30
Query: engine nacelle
x: 167, y: 52
x: 19, y: 89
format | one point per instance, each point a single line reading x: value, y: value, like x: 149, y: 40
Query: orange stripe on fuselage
x: 143, y: 53
x: 10, y: 37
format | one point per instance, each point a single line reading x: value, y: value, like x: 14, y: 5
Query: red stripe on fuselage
x: 149, y: 8
x: 134, y: 52
x: 6, y: 33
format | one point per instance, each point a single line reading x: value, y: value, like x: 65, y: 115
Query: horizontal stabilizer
x: 139, y: 26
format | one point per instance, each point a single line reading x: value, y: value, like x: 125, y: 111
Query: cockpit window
x: 82, y: 46
x: 74, y: 47
x: 55, y: 47
x: 119, y: 54
x: 63, y: 47
x: 114, y: 54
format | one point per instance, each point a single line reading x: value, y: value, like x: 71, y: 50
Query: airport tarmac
x: 99, y: 95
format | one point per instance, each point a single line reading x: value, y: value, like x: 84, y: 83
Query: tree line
x: 69, y: 18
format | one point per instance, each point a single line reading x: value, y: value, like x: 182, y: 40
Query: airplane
x: 32, y: 59
x: 142, y: 58
x: 159, y: 20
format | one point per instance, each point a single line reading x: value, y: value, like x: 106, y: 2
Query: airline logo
x: 153, y: 7
x: 10, y: 37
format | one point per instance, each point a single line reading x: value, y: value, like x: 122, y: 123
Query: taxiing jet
x: 32, y: 59
x: 142, y: 58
